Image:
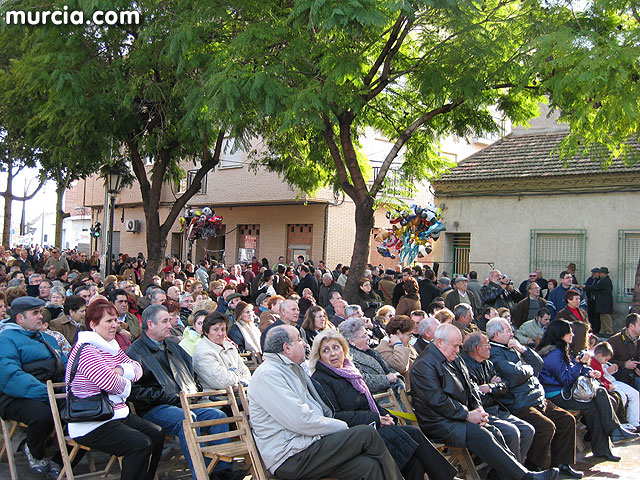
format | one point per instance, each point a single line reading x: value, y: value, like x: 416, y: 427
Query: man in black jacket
x: 449, y: 409
x: 166, y: 370
x: 499, y: 292
x: 603, y: 291
x: 555, y: 440
x: 427, y: 289
x: 517, y: 433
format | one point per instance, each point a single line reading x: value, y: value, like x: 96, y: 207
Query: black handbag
x: 95, y: 408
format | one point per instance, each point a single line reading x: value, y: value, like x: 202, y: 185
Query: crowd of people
x: 487, y: 367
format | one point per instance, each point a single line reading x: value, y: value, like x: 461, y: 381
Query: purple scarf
x: 354, y: 376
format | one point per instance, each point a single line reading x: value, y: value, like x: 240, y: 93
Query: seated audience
x: 561, y: 369
x: 295, y: 431
x: 410, y: 301
x: 531, y: 331
x: 463, y: 319
x: 216, y: 360
x: 343, y: 388
x: 167, y: 370
x: 72, y: 321
x: 315, y: 321
x: 554, y: 443
x: 396, y: 351
x: 103, y: 366
x: 244, y: 331
x: 28, y: 358
x: 273, y: 312
x: 193, y: 333
x: 527, y: 308
x: 375, y: 371
x: 426, y: 331
x: 449, y: 409
x: 579, y: 320
x: 626, y: 351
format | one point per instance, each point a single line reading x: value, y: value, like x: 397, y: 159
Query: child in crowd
x: 602, y: 354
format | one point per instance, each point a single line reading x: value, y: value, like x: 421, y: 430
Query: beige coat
x: 218, y: 366
x: 400, y: 358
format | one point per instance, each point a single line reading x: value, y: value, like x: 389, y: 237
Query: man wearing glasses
x: 57, y: 261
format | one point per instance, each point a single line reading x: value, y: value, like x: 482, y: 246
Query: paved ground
x: 175, y: 469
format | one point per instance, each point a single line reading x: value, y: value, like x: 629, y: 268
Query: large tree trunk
x: 360, y: 256
x: 635, y: 302
x: 8, y: 198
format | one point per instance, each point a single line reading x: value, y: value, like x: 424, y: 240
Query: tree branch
x: 29, y: 197
x: 406, y: 135
x: 393, y: 35
x: 343, y: 178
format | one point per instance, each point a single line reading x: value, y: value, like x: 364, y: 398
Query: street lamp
x: 114, y: 184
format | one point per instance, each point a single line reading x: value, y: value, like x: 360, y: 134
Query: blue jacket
x: 22, y: 350
x: 558, y: 373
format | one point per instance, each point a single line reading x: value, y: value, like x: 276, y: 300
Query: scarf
x: 251, y: 336
x: 354, y: 376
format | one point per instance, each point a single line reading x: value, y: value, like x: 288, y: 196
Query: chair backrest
x: 238, y: 442
x: 251, y: 359
x: 403, y: 413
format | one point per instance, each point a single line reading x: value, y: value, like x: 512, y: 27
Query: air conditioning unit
x: 133, y: 225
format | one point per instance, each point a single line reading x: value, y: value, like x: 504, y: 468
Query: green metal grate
x: 551, y: 251
x: 628, y: 255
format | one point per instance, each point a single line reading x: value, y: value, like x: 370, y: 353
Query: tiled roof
x: 526, y: 156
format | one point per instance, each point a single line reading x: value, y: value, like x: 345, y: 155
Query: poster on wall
x: 246, y: 254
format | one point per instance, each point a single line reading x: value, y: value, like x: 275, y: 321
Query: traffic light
x: 95, y: 231
x: 92, y: 231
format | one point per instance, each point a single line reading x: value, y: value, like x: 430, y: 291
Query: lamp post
x: 114, y: 183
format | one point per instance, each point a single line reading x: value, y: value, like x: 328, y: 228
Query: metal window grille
x: 552, y: 251
x: 461, y: 250
x: 628, y: 255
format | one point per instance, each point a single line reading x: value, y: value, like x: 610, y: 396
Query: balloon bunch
x: 200, y: 224
x: 412, y: 228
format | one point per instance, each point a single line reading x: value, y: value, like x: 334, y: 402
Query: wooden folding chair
x: 64, y: 440
x: 9, y: 428
x: 403, y: 412
x: 240, y: 442
x: 461, y: 459
x: 251, y: 360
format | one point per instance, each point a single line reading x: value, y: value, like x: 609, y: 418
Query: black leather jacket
x: 493, y: 295
x: 159, y: 386
x: 442, y: 396
x: 481, y: 373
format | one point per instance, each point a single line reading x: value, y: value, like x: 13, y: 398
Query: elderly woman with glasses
x: 375, y: 371
x: 342, y: 387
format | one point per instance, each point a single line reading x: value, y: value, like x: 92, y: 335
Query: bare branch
x: 343, y: 177
x: 406, y: 135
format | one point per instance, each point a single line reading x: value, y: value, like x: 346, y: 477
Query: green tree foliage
x: 321, y: 72
x: 133, y: 89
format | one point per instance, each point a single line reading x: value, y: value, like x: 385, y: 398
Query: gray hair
x: 350, y: 310
x: 150, y: 314
x: 33, y: 277
x: 427, y: 323
x: 15, y: 282
x: 276, y: 338
x: 327, y: 275
x: 59, y: 290
x: 473, y: 341
x: 461, y: 310
x: 155, y: 292
x: 124, y: 283
x: 444, y: 332
x: 495, y: 325
x: 150, y: 290
x: 349, y: 328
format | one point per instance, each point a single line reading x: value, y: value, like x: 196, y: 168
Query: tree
x: 414, y: 71
x: 590, y: 69
x: 14, y: 157
x: 130, y: 90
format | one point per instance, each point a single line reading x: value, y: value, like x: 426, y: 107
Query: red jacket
x: 597, y: 366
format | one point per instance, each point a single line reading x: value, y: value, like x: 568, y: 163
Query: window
x: 461, y: 250
x: 231, y: 155
x: 628, y: 255
x: 551, y: 251
x: 203, y: 183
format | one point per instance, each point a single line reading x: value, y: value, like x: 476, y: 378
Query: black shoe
x: 549, y: 474
x: 532, y: 467
x: 568, y: 471
x: 610, y: 457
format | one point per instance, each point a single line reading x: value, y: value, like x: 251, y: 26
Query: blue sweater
x: 558, y: 373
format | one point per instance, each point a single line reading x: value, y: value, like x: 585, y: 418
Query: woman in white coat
x: 216, y: 359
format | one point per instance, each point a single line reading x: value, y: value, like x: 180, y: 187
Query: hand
x: 126, y: 333
x: 631, y: 364
x: 595, y: 374
x: 613, y: 368
x: 514, y: 343
x: 510, y: 288
x: 585, y: 358
x: 118, y: 371
x: 478, y: 416
x: 393, y: 339
x: 495, y: 379
x: 612, y: 388
x: 392, y: 377
x: 386, y: 420
x: 485, y: 388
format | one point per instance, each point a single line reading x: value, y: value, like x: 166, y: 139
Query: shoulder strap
x: 74, y: 367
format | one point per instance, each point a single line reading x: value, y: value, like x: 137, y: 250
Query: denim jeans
x: 170, y: 419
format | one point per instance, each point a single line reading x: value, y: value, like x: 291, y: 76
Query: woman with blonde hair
x: 386, y: 312
x: 342, y: 387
